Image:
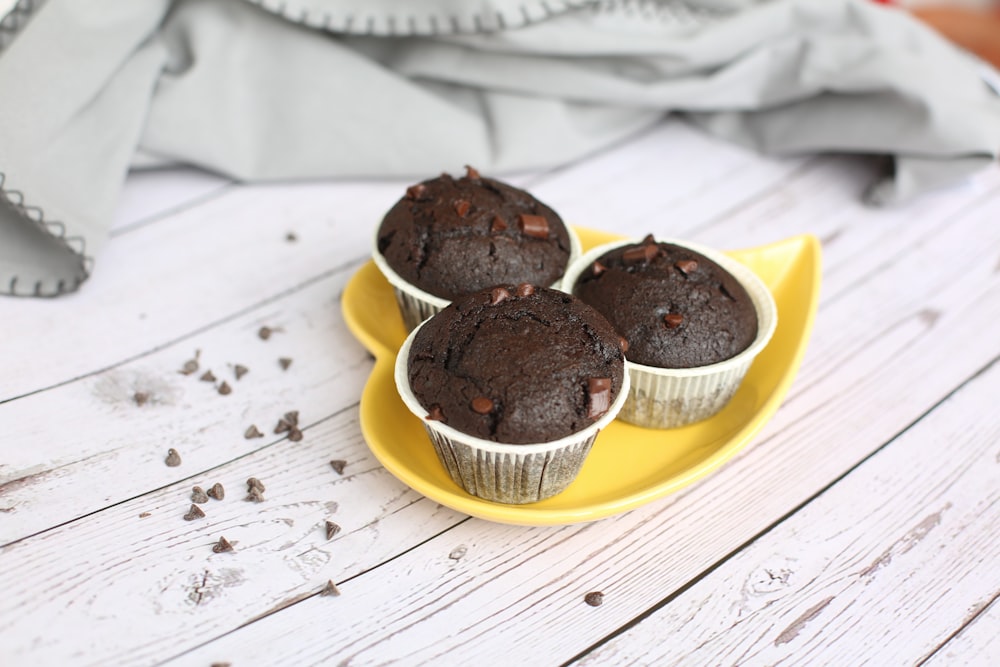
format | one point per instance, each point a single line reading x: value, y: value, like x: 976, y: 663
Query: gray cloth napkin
x: 329, y: 88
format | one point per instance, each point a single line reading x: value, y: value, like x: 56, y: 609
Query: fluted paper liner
x: 672, y: 397
x: 504, y: 473
x: 416, y: 305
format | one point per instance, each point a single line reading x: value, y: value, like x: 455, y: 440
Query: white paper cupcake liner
x: 672, y: 397
x: 504, y: 473
x: 416, y: 305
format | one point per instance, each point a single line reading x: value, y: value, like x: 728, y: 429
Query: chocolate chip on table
x: 216, y: 491
x: 291, y: 237
x: 265, y: 332
x: 225, y: 389
x: 294, y: 434
x: 687, y: 266
x: 194, y: 513
x: 292, y: 417
x: 173, y: 458
x: 283, y: 426
x: 598, y: 396
x: 498, y: 225
x: 525, y: 289
x: 331, y: 529
x: 254, y: 483
x: 472, y: 173
x: 498, y: 295
x: 535, y: 226
x: 222, y: 545
x: 338, y: 465
x: 256, y: 495
x: 207, y: 376
x: 191, y: 365
x: 220, y: 664
x: 462, y: 207
x: 140, y: 398
x: 144, y: 515
x: 240, y: 370
x: 482, y: 405
x: 252, y: 432
x: 436, y: 414
x: 285, y: 362
x: 416, y: 192
x: 198, y: 495
x: 673, y: 320
x: 594, y: 599
x: 330, y: 589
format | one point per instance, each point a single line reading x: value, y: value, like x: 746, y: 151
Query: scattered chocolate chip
x: 458, y: 552
x: 292, y: 417
x: 198, y: 495
x: 140, y: 397
x: 687, y: 266
x: 173, y: 458
x: 525, y: 289
x: 216, y: 491
x: 291, y: 237
x: 194, y: 513
x: 222, y: 545
x: 462, y: 207
x: 498, y: 225
x: 594, y: 599
x: 598, y: 396
x: 264, y: 333
x: 285, y: 362
x: 471, y: 173
x: 221, y: 664
x: 648, y: 238
x: 283, y: 426
x: 598, y: 269
x: 498, y: 295
x: 436, y: 414
x: 190, y: 366
x: 252, y: 432
x: 331, y: 529
x: 338, y: 465
x: 417, y: 192
x: 482, y: 405
x: 535, y: 226
x: 673, y: 320
x: 254, y: 483
x: 294, y: 434
x: 638, y: 254
x: 255, y: 495
x: 207, y: 376
x: 240, y: 370
x: 225, y: 389
x: 330, y: 589
x: 144, y: 515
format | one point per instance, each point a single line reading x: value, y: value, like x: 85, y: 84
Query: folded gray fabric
x: 332, y: 88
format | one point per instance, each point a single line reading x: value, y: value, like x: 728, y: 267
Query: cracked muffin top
x: 451, y: 236
x: 517, y: 364
x: 674, y: 306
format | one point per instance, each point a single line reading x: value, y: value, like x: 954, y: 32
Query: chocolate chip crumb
x: 525, y: 289
x: 194, y: 513
x: 291, y: 237
x: 687, y: 266
x: 598, y: 396
x: 240, y: 370
x: 173, y: 458
x: 534, y: 226
x: 498, y: 225
x: 225, y: 389
x: 436, y: 414
x: 255, y: 495
x: 330, y: 589
x: 294, y: 434
x: 264, y: 333
x: 252, y: 432
x: 222, y: 545
x: 207, y: 376
x: 198, y: 495
x: 285, y: 362
x: 140, y: 397
x: 216, y: 491
x: 482, y: 405
x: 338, y: 465
x: 673, y: 320
x: 462, y: 207
x: 283, y: 426
x: 331, y: 529
x: 594, y: 599
x: 220, y: 664
x: 498, y: 295
x: 144, y: 515
x: 471, y: 173
x: 254, y: 483
x: 190, y: 366
x: 292, y: 417
x: 458, y: 552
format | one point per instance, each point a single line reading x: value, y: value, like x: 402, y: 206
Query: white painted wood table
x: 861, y: 526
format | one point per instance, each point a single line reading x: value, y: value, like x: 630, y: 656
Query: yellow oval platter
x: 628, y: 465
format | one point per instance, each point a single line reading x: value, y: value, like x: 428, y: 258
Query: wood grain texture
x: 977, y: 643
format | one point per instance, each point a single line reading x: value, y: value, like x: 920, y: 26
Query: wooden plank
x: 856, y: 576
x: 978, y: 643
x: 422, y: 607
x: 152, y: 194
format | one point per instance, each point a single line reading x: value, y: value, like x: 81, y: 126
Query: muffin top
x: 516, y: 364
x: 450, y: 236
x: 675, y: 307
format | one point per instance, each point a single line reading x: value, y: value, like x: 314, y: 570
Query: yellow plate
x: 628, y: 466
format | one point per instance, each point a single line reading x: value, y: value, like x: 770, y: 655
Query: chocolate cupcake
x: 513, y: 384
x: 448, y: 237
x: 694, y: 320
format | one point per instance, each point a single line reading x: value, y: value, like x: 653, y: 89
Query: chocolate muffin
x: 450, y: 237
x: 517, y: 365
x: 674, y: 306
